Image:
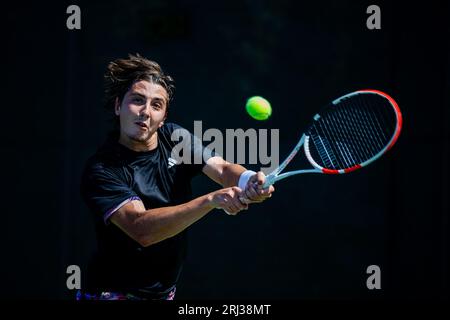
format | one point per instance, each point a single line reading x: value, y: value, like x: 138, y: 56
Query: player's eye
x: 138, y: 100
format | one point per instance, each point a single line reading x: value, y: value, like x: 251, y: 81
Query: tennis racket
x: 349, y: 134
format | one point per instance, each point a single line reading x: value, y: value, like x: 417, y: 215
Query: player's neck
x: 140, y: 146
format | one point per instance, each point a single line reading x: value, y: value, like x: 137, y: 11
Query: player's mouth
x: 142, y: 125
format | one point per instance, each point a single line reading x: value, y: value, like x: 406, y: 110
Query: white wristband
x: 243, y: 178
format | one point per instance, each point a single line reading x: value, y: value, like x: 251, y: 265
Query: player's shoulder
x: 96, y: 165
x: 104, y: 160
x: 170, y: 132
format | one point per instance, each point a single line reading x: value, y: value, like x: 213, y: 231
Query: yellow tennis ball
x: 258, y: 108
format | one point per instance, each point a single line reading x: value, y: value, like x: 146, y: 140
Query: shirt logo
x: 171, y: 163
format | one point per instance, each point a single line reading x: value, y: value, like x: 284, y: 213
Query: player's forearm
x: 230, y: 174
x: 158, y: 224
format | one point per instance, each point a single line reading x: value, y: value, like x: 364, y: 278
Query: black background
x: 317, y: 235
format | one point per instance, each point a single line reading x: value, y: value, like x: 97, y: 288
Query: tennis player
x: 141, y: 197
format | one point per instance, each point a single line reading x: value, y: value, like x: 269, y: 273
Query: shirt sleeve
x: 197, y: 153
x: 104, y: 191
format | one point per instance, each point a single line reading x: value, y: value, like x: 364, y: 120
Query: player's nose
x: 145, y: 110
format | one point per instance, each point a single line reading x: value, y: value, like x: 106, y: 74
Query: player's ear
x: 162, y: 122
x: 117, y: 106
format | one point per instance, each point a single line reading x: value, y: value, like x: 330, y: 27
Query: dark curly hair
x: 122, y: 73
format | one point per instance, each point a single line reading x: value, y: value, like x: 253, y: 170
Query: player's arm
x: 229, y: 174
x: 223, y: 172
x: 151, y: 226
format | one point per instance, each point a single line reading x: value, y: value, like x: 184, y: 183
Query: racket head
x: 353, y: 131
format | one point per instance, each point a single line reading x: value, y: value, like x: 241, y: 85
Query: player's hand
x: 254, y: 192
x: 228, y: 199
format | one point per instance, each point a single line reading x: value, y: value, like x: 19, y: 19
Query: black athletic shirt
x: 116, y: 175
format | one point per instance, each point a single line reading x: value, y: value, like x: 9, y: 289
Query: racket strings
x: 353, y: 131
x: 325, y: 151
x: 334, y: 128
x: 351, y: 154
x: 339, y: 148
x: 368, y: 121
x: 357, y: 125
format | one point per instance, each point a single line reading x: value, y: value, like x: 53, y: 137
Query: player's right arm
x: 154, y: 225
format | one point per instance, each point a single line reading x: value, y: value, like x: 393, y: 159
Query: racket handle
x: 270, y: 180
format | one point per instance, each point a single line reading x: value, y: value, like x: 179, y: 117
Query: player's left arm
x: 229, y: 174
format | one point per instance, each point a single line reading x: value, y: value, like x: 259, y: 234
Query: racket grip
x: 270, y: 180
x: 266, y: 184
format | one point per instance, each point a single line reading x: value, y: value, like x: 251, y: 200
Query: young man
x: 141, y: 198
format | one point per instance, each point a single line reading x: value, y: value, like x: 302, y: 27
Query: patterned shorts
x: 108, y: 295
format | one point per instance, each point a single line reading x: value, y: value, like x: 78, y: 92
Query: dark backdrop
x: 317, y: 235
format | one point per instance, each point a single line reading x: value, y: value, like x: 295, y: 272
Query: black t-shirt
x: 116, y: 175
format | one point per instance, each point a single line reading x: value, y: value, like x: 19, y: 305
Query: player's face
x: 142, y: 111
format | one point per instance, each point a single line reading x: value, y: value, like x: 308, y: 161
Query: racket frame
x: 275, y: 175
